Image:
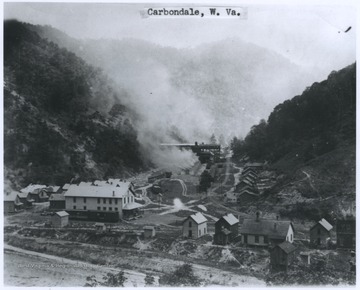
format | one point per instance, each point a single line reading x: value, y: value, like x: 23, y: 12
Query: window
x: 99, y: 200
x: 116, y: 209
x: 115, y: 201
x: 98, y: 208
x: 74, y: 199
x: 74, y: 207
x: 199, y: 233
x: 84, y: 199
x: 84, y: 207
x: 257, y: 239
x: 104, y: 208
x: 104, y: 200
x: 110, y: 200
x: 266, y: 240
x: 110, y: 208
x: 190, y: 224
x: 291, y: 238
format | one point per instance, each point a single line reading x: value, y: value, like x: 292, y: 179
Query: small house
x: 265, y: 232
x: 57, y: 201
x: 346, y: 233
x: 226, y: 229
x: 195, y: 226
x: 37, y: 192
x: 60, y: 219
x: 320, y: 233
x: 25, y: 199
x: 282, y: 255
x: 12, y: 202
x: 149, y: 232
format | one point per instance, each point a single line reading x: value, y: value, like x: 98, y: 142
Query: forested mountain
x: 310, y: 141
x: 320, y: 120
x: 52, y: 129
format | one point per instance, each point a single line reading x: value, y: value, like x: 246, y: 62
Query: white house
x: 264, y: 232
x: 100, y: 198
x: 195, y: 226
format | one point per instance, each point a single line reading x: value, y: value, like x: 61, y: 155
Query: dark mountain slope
x: 311, y: 141
x: 52, y: 131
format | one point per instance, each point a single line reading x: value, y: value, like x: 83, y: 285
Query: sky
x: 312, y: 36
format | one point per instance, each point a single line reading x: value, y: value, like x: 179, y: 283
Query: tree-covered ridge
x: 62, y: 117
x: 310, y: 125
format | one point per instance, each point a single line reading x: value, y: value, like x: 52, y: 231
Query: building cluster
x: 100, y: 200
x: 251, y: 185
x: 275, y: 234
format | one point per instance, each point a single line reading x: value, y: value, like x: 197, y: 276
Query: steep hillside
x: 310, y: 141
x: 52, y: 129
x: 223, y: 87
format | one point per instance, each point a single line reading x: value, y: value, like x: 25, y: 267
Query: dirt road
x: 28, y: 268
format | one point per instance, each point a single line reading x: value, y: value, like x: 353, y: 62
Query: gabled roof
x: 254, y: 164
x: 325, y: 224
x: 286, y: 247
x: 230, y: 219
x: 275, y: 229
x: 248, y: 191
x: 97, y: 191
x: 23, y: 194
x: 247, y: 182
x: 52, y: 188
x: 62, y: 213
x: 250, y: 173
x: 11, y: 196
x: 57, y: 197
x: 31, y: 187
x: 198, y: 218
x: 66, y: 186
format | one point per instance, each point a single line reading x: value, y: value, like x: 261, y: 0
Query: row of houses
x: 277, y: 235
x: 267, y: 232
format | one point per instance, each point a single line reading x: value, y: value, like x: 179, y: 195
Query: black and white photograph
x: 179, y: 144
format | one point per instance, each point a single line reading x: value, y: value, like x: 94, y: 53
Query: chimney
x: 257, y: 216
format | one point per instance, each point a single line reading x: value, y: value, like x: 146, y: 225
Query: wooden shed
x: 282, y: 255
x: 320, y: 233
x: 60, y: 219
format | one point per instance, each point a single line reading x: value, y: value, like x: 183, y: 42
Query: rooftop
x: 198, y: 218
x: 97, y: 191
x: 272, y: 228
x: 62, y: 213
x: 230, y: 218
x: 57, y: 197
x: 325, y: 224
x: 11, y: 196
x: 286, y: 247
x: 31, y: 187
